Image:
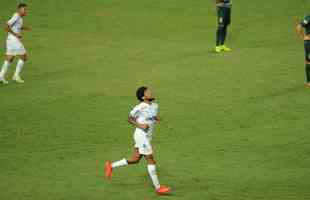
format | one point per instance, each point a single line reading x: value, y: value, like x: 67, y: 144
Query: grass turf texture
x: 236, y: 125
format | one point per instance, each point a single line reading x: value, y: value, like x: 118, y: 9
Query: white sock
x: 119, y: 163
x: 19, y: 67
x: 4, y: 69
x: 152, y: 172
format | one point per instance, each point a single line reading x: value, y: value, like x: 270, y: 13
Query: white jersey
x: 145, y: 114
x: 16, y: 24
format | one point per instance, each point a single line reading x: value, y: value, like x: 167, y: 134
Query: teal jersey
x: 306, y: 24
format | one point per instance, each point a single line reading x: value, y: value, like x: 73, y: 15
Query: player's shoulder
x: 143, y: 105
x: 13, y: 19
x: 154, y: 104
x: 16, y: 15
x: 139, y: 106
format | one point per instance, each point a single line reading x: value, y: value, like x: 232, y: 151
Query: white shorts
x: 143, y: 142
x: 14, y: 47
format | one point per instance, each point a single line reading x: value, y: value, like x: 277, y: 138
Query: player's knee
x: 24, y: 58
x: 9, y: 59
x: 131, y: 162
x: 150, y: 160
x: 135, y: 160
x: 220, y: 26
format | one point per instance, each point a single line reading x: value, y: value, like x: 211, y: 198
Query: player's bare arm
x: 300, y: 31
x: 133, y: 121
x: 9, y: 30
x: 27, y: 28
x: 158, y: 118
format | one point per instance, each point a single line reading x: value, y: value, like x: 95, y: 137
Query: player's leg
x: 219, y: 35
x: 307, y: 83
x: 19, y: 67
x: 110, y: 166
x: 219, y: 32
x: 135, y: 158
x: 7, y: 62
x: 219, y: 38
x: 224, y: 33
x: 307, y: 63
x: 308, y: 72
x: 151, y: 168
x: 226, y: 23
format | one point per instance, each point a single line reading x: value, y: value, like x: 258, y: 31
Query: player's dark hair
x: 22, y: 5
x: 140, y: 93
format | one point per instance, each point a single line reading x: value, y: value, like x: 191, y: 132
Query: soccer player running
x: 224, y: 19
x: 303, y: 30
x: 14, y: 46
x: 143, y: 117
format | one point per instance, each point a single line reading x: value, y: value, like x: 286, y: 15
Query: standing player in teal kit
x: 303, y: 30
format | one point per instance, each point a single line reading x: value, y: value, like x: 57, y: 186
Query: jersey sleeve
x: 305, y: 21
x: 156, y: 109
x: 135, y: 112
x: 13, y: 19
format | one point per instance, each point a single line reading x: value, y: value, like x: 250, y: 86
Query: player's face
x: 22, y: 11
x: 148, y: 95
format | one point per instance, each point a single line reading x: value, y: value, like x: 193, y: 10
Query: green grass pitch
x: 236, y: 126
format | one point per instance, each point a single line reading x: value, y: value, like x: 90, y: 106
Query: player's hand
x: 144, y: 126
x: 158, y: 119
x: 18, y: 35
x: 306, y: 37
x: 27, y: 28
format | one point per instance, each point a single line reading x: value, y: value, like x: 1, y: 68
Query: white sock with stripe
x: 4, y: 69
x: 19, y: 67
x: 119, y: 163
x: 152, y: 172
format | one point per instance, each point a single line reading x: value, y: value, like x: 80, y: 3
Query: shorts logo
x: 144, y: 146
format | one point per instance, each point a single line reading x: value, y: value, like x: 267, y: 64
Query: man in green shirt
x: 303, y: 30
x: 224, y: 19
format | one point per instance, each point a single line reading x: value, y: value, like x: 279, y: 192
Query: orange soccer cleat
x: 108, y: 169
x: 163, y: 190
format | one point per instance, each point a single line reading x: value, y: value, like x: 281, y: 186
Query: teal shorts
x: 224, y: 16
